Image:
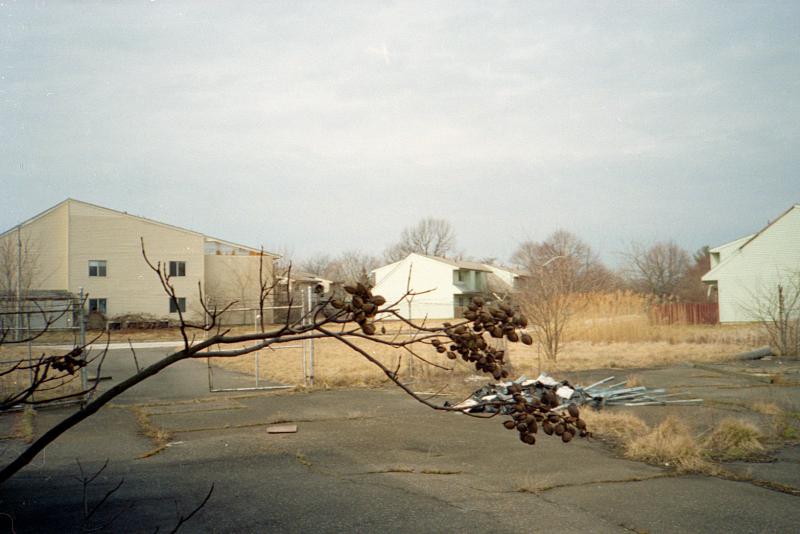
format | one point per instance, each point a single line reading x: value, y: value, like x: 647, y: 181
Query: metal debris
x: 496, y: 397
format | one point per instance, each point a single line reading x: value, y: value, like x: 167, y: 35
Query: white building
x: 442, y: 286
x: 750, y: 269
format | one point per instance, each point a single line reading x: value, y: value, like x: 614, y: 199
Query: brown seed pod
x: 460, y: 330
x: 566, y: 437
x: 553, y: 418
x: 362, y: 290
x: 338, y: 304
x: 496, y: 332
x: 509, y: 424
x: 378, y: 300
x: 532, y: 425
x: 522, y: 321
x: 547, y: 426
x: 504, y: 373
x: 512, y: 337
x: 522, y: 427
x: 470, y: 315
x: 368, y: 329
x: 559, y: 429
x: 478, y: 301
x: 580, y: 423
x: 497, y: 374
x: 451, y: 355
x: 369, y: 308
x: 526, y: 339
x: 530, y: 439
x: 584, y: 433
x: 357, y: 302
x: 436, y: 342
x: 441, y: 349
x: 573, y: 410
x: 351, y: 289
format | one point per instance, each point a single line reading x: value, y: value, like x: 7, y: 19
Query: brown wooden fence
x: 685, y: 313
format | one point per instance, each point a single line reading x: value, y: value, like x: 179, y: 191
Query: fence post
x: 82, y: 340
x: 311, y: 306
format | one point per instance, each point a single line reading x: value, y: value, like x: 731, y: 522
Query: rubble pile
x: 559, y: 395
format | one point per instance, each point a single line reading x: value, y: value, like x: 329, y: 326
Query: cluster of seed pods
x: 528, y: 417
x: 362, y: 307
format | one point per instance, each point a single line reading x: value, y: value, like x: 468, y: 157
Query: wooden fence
x: 685, y: 313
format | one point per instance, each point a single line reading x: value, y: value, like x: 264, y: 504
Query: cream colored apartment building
x: 76, y: 245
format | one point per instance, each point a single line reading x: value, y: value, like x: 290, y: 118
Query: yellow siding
x: 47, y: 250
x: 130, y: 286
x: 236, y: 278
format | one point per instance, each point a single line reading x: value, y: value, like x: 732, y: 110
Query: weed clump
x: 670, y: 444
x: 733, y: 439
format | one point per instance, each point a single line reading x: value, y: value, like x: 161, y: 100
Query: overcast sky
x: 326, y: 126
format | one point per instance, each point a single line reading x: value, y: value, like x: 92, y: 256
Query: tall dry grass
x: 624, y: 317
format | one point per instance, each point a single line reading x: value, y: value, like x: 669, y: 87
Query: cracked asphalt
x: 366, y: 461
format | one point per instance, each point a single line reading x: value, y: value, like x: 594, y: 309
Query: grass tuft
x: 734, y: 439
x: 670, y: 444
x: 620, y: 427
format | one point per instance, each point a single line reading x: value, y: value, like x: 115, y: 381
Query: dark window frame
x: 99, y: 269
x: 173, y: 308
x: 177, y: 268
x: 99, y: 305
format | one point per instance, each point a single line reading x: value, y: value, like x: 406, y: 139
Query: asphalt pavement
x: 360, y: 461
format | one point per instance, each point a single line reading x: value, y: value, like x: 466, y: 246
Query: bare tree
x: 658, y: 269
x: 430, y: 236
x: 692, y: 288
x: 350, y: 267
x: 18, y: 258
x: 351, y: 322
x: 777, y: 309
x: 317, y: 264
x: 561, y: 269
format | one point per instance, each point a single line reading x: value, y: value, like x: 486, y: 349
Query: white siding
x: 434, y: 277
x: 756, y: 269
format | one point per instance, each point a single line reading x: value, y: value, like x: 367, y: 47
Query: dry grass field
x: 608, y: 331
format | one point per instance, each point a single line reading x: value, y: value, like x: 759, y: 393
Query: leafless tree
x: 352, y: 322
x: 561, y: 269
x: 351, y: 267
x: 430, y: 236
x: 777, y: 308
x: 692, y: 288
x: 317, y: 264
x: 18, y: 255
x: 658, y: 269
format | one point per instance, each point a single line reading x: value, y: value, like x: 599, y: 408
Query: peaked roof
x: 710, y: 275
x: 469, y: 265
x: 143, y: 219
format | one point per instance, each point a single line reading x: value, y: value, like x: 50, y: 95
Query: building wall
x: 236, y: 278
x: 755, y: 271
x: 391, y: 281
x: 129, y: 285
x: 46, y: 257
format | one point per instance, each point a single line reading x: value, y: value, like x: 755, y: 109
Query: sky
x: 320, y: 127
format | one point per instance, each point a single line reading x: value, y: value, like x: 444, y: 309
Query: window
x: 97, y: 267
x: 458, y: 276
x: 177, y: 268
x: 181, y: 304
x: 98, y: 305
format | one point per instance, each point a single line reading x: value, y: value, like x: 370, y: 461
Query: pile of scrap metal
x: 492, y: 398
